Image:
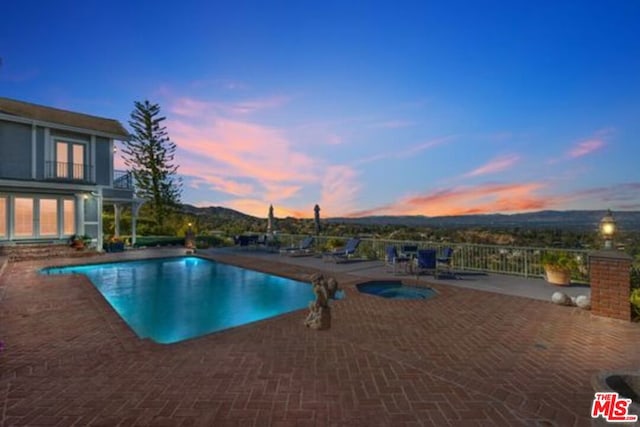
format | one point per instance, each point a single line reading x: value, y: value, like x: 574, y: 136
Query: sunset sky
x: 386, y: 108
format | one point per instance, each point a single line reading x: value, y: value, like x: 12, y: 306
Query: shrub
x: 634, y: 299
x: 635, y: 277
x: 559, y: 260
x: 158, y: 241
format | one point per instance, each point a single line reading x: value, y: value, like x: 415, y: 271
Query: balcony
x: 122, y: 180
x: 69, y: 172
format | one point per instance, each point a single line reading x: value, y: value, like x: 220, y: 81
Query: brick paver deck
x: 463, y: 358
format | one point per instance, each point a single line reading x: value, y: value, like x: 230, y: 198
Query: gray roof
x: 62, y: 117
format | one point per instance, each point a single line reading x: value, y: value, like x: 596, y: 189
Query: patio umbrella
x: 316, y: 218
x: 270, y: 220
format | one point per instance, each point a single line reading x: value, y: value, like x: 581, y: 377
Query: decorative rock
x: 560, y: 298
x: 584, y: 302
x: 319, y: 316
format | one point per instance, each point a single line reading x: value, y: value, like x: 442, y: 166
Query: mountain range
x: 574, y: 219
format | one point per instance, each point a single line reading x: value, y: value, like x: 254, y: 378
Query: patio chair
x: 393, y: 260
x: 445, y: 261
x: 409, y: 251
x: 304, y: 247
x: 344, y: 253
x: 426, y: 261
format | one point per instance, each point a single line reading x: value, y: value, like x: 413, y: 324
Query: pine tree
x: 149, y: 155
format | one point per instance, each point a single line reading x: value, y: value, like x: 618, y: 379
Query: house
x: 56, y: 174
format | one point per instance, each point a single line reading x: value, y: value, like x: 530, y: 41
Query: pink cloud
x: 256, y: 165
x: 425, y: 146
x: 407, y: 152
x: 197, y: 109
x: 339, y: 190
x: 485, y: 198
x: 496, y: 165
x: 585, y: 147
x: 217, y: 183
x: 251, y: 106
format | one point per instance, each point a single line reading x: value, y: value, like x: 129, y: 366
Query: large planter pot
x: 557, y: 276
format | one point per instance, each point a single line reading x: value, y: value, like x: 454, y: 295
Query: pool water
x: 395, y: 290
x: 174, y: 299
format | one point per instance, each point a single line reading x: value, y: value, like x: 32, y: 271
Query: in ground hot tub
x: 394, y: 289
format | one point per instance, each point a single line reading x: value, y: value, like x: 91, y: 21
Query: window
x: 78, y: 161
x: 69, y: 216
x: 3, y: 217
x: 62, y: 160
x: 23, y: 216
x: 69, y: 160
x: 48, y: 217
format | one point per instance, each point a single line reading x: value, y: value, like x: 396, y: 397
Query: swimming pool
x: 174, y: 299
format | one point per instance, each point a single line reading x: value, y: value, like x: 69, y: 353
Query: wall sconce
x: 608, y: 229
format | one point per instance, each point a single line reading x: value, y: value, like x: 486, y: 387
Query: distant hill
x: 574, y: 220
x: 216, y: 211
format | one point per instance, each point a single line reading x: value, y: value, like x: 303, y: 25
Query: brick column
x: 610, y: 284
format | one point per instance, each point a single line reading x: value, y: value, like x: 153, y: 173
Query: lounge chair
x: 426, y: 261
x: 303, y: 248
x: 445, y: 261
x: 393, y: 260
x: 344, y: 253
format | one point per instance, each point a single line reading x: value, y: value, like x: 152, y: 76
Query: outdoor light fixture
x: 608, y: 229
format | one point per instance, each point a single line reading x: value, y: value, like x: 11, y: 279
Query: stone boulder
x: 561, y: 298
x: 584, y: 302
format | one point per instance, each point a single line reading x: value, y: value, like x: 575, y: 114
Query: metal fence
x: 62, y: 171
x: 514, y: 260
x: 122, y: 179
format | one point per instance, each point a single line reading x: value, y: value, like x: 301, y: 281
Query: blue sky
x: 427, y: 107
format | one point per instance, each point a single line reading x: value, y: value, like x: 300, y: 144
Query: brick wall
x: 33, y: 251
x: 610, y: 284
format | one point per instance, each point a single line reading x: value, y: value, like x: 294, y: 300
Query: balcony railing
x: 122, y: 179
x: 60, y: 171
x: 513, y: 260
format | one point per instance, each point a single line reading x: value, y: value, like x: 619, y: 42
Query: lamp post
x: 608, y: 229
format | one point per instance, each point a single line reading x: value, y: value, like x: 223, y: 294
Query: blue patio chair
x: 393, y: 260
x: 343, y: 254
x: 445, y: 261
x: 426, y: 261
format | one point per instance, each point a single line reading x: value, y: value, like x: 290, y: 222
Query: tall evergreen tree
x: 149, y: 155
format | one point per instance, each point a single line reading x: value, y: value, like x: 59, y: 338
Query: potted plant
x: 558, y: 267
x: 114, y: 244
x: 76, y: 242
x: 86, y: 240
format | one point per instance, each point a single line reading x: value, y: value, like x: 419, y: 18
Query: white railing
x: 514, y: 260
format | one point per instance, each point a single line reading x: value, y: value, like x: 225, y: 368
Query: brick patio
x: 466, y: 358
